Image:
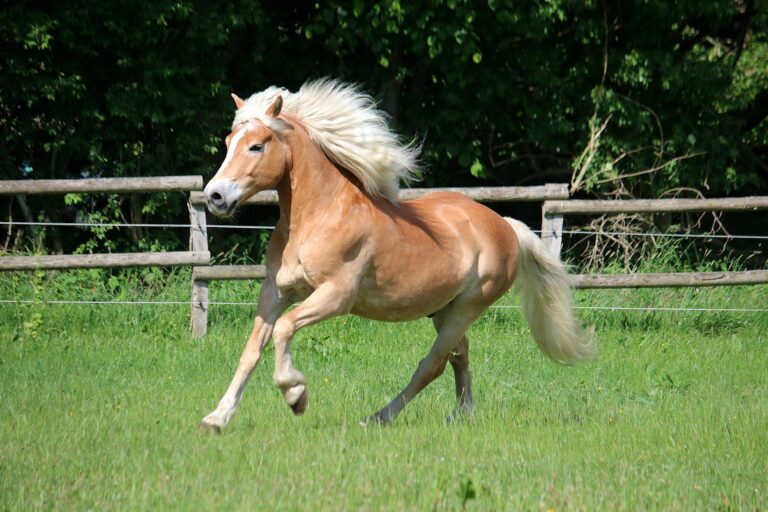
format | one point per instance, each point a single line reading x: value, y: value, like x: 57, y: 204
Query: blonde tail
x: 545, y: 294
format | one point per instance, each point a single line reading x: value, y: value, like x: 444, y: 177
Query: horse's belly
x: 391, y: 312
x: 412, y: 279
x: 403, y: 302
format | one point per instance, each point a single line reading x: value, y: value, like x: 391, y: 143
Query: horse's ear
x: 239, y: 102
x: 274, y: 109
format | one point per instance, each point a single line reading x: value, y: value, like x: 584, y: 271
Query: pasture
x: 100, y: 404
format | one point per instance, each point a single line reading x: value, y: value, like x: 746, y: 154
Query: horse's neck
x: 312, y: 186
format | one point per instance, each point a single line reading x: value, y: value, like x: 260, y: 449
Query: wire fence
x: 662, y: 235
x: 45, y: 302
x: 131, y: 225
x: 265, y: 227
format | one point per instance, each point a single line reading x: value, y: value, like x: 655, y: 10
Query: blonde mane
x: 346, y: 125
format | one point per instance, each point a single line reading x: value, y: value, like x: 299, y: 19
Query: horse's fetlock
x: 281, y: 381
x: 288, y: 379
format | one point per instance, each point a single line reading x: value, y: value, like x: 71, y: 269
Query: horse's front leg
x: 328, y: 300
x: 269, y: 309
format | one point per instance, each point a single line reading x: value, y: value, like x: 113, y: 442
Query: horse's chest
x: 303, y: 269
x: 292, y: 281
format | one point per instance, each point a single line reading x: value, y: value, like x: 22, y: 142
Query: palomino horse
x: 344, y: 244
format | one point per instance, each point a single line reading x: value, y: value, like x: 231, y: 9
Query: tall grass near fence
x: 99, y: 406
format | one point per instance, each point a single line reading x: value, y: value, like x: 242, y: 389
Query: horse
x: 344, y: 244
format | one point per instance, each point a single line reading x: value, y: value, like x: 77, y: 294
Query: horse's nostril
x: 215, y: 196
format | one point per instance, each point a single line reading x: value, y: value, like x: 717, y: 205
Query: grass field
x: 99, y: 408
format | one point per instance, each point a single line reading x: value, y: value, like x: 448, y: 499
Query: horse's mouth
x: 224, y: 212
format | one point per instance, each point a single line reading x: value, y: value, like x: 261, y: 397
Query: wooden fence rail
x: 112, y: 260
x: 550, y: 191
x: 552, y: 231
x: 588, y: 206
x: 102, y: 185
x: 670, y: 280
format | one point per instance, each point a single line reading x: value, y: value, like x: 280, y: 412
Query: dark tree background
x: 619, y: 98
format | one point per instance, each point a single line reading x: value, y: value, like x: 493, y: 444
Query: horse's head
x: 258, y: 156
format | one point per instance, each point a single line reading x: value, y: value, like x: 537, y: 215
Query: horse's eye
x: 256, y: 148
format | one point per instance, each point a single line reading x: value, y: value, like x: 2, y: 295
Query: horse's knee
x: 284, y: 330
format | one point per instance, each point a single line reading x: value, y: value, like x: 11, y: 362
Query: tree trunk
x: 135, y: 214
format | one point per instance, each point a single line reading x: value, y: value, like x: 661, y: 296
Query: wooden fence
x: 554, y: 208
x: 113, y: 260
x: 552, y: 234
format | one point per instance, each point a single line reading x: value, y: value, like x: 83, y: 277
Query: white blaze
x: 233, y: 147
x: 229, y: 190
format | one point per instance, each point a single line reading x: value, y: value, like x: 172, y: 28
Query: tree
x: 501, y: 92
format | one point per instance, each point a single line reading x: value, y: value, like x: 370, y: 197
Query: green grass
x: 99, y: 408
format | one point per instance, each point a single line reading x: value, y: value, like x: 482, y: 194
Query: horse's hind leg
x: 453, y: 323
x: 465, y: 402
x: 459, y: 359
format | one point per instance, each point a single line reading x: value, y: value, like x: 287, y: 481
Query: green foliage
x: 506, y: 92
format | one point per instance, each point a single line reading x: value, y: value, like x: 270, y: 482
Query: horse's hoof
x: 208, y: 428
x: 374, y: 419
x: 458, y: 417
x: 300, y: 405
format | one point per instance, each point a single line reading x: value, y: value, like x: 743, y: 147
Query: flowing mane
x: 346, y: 125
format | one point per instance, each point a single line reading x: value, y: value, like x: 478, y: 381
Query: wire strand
x: 243, y: 226
x: 669, y: 235
x: 130, y: 225
x: 651, y: 308
x: 235, y: 303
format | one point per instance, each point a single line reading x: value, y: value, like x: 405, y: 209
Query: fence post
x: 198, y: 241
x: 552, y: 230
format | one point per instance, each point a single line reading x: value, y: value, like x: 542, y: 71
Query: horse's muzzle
x: 222, y: 197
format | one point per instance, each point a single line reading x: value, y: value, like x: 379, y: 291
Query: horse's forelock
x: 273, y: 123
